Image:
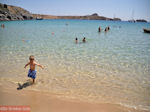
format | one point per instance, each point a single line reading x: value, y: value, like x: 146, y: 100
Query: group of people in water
x: 106, y: 29
x: 76, y: 39
x: 83, y: 40
x: 99, y: 30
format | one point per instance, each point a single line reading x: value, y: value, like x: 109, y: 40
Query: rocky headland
x: 8, y: 12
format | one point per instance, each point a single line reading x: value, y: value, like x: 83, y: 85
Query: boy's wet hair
x: 31, y: 57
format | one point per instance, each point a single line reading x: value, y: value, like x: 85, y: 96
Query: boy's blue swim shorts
x: 32, y: 74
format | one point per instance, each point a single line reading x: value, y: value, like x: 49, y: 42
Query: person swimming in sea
x: 32, y: 71
x: 107, y: 29
x: 99, y: 29
x: 84, y: 40
x: 76, y: 40
x: 2, y: 25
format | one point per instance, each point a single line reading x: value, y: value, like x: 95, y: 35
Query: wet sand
x: 47, y: 102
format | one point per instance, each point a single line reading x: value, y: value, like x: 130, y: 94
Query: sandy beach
x: 74, y: 56
x: 46, y: 102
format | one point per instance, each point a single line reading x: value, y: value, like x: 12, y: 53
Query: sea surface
x: 111, y: 67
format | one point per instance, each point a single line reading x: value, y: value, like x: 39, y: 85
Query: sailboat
x: 132, y: 20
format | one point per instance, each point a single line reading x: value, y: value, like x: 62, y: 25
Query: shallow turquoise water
x: 112, y: 67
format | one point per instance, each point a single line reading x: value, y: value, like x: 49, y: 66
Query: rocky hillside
x: 8, y: 12
x: 44, y: 16
x: 94, y: 16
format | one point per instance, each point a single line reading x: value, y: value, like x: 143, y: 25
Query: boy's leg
x: 33, y: 80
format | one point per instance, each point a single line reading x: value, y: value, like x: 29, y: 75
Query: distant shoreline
x: 10, y: 13
x: 94, y: 16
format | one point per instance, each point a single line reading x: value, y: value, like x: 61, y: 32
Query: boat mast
x: 132, y: 16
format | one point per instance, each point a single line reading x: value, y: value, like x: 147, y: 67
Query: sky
x: 124, y: 9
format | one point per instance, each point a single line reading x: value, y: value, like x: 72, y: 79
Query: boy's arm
x: 26, y: 65
x: 39, y: 65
